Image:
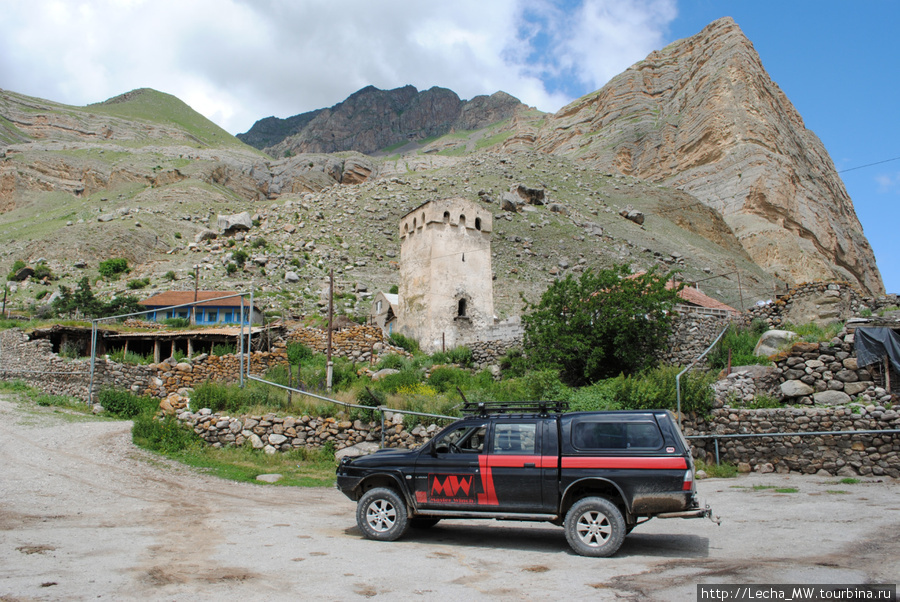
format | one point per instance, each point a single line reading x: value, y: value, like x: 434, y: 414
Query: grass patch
x: 849, y: 481
x: 300, y: 468
x: 836, y: 491
x: 718, y: 471
x: 786, y: 490
x: 813, y: 333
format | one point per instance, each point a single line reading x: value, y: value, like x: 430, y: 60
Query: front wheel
x: 594, y: 527
x: 381, y: 514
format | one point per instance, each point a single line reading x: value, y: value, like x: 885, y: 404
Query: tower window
x: 478, y: 223
x: 462, y: 220
x: 461, y: 309
x: 446, y: 217
x: 464, y: 256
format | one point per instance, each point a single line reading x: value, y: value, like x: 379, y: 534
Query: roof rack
x: 488, y: 408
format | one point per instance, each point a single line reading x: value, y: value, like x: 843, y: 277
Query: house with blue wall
x: 211, y: 308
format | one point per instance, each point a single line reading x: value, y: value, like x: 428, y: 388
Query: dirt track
x: 84, y: 514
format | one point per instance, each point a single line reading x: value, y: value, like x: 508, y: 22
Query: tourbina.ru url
x: 797, y: 592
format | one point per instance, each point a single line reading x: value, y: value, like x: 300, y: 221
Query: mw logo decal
x: 451, y: 488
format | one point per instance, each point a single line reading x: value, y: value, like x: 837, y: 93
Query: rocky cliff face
x: 372, y: 119
x: 702, y: 115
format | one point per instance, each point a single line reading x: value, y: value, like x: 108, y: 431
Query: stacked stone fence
x: 850, y: 455
x: 819, y: 301
x: 35, y: 363
x: 273, y: 433
x: 361, y: 343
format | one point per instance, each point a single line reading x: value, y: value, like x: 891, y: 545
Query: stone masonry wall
x: 842, y: 455
x: 818, y: 301
x: 691, y: 334
x: 360, y: 343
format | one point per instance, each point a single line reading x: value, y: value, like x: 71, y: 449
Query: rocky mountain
x: 692, y: 159
x: 371, y: 120
x: 703, y: 116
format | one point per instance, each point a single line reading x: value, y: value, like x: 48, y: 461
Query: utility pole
x: 196, y: 287
x: 740, y: 290
x: 5, y: 290
x: 330, y: 368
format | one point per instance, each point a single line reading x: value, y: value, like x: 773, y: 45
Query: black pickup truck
x: 598, y: 474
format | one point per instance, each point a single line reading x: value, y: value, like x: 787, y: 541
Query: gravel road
x: 85, y: 514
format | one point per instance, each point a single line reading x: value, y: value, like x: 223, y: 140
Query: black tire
x: 594, y: 527
x: 423, y: 523
x: 381, y: 514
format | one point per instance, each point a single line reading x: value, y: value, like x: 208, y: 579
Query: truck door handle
x: 529, y: 464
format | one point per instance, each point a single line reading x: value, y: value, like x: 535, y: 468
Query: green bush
x: 741, y: 342
x: 394, y: 361
x: 598, y: 397
x: 177, y: 322
x: 258, y: 242
x: 17, y: 265
x: 138, y: 283
x: 446, y: 378
x: 405, y: 378
x: 298, y: 353
x: 165, y: 435
x: 130, y: 357
x: 112, y: 268
x: 230, y: 268
x: 124, y: 404
x: 230, y: 398
x: 513, y: 363
x: 461, y: 356
x: 404, y: 342
x: 223, y: 349
x: 170, y: 275
x: 69, y: 350
x: 41, y: 271
x: 394, y: 289
x: 655, y: 389
x: 240, y: 257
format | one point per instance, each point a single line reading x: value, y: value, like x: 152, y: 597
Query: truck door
x: 512, y: 467
x: 448, y: 475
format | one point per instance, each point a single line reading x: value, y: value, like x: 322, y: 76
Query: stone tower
x: 446, y: 283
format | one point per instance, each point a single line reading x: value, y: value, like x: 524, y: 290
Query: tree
x: 84, y: 301
x: 601, y: 325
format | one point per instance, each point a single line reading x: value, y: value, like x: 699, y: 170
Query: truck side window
x: 465, y: 439
x: 511, y: 438
x: 616, y: 435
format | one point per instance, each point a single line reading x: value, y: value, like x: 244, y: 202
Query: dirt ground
x: 84, y: 514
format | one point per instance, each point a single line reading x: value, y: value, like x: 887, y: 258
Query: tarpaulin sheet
x: 873, y: 344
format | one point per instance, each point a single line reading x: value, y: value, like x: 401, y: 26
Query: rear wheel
x: 381, y: 514
x: 594, y: 527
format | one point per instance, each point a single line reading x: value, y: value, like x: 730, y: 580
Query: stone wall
x: 691, y: 334
x: 842, y: 455
x: 273, y: 433
x: 820, y: 302
x: 361, y: 343
x: 33, y: 362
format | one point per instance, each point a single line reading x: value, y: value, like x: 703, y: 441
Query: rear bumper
x: 705, y: 512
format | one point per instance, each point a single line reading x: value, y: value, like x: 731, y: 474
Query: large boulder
x: 796, y: 388
x: 772, y: 341
x: 831, y: 398
x: 234, y: 223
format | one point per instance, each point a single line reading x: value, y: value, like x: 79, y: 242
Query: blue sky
x: 237, y: 61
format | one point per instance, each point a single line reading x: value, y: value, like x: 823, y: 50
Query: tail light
x: 688, y: 484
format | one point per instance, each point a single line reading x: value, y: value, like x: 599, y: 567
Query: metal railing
x: 380, y: 409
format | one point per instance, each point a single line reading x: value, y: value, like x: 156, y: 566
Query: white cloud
x: 888, y: 183
x: 237, y: 61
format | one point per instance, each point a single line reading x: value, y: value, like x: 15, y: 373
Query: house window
x: 212, y: 316
x: 461, y: 309
x: 227, y: 317
x: 378, y: 307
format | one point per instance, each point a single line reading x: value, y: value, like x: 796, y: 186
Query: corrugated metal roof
x: 170, y: 298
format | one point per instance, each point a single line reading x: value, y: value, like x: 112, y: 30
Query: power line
x: 869, y: 165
